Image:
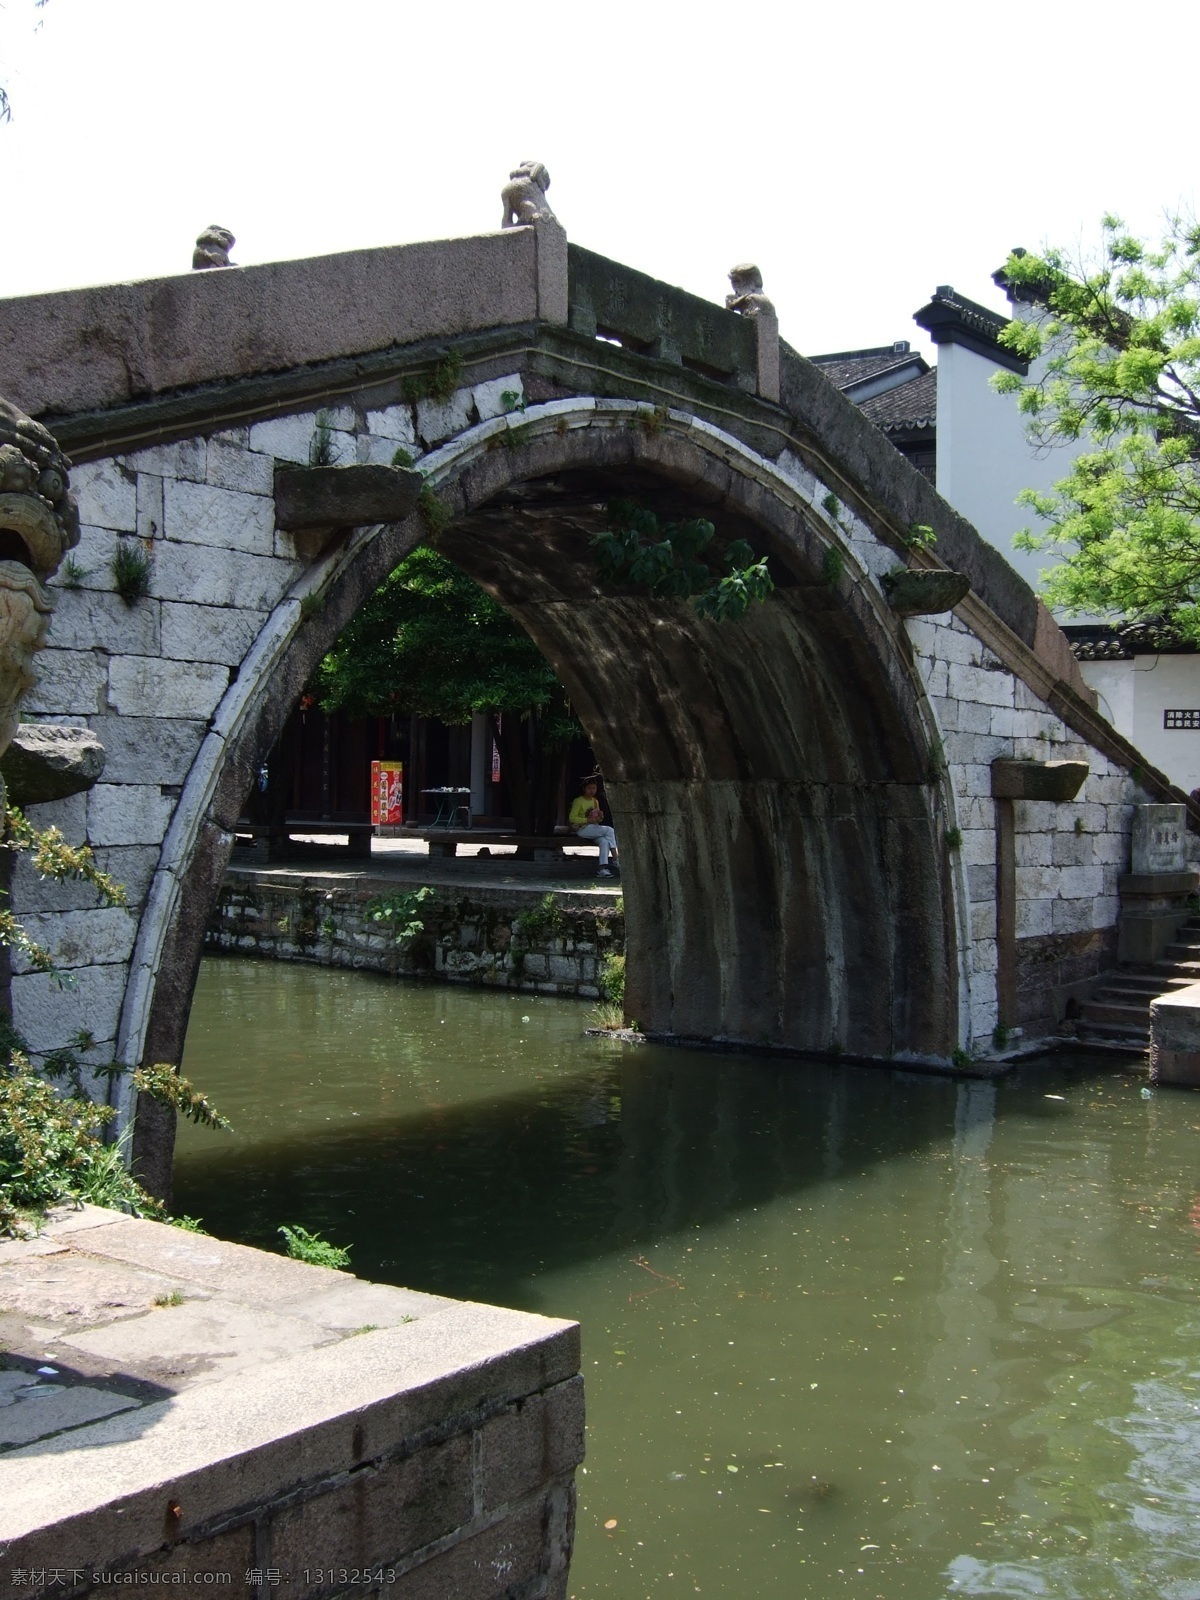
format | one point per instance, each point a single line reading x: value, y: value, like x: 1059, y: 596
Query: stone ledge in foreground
x: 175, y: 1408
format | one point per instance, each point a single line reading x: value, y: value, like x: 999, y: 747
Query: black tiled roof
x: 847, y: 367
x: 908, y: 405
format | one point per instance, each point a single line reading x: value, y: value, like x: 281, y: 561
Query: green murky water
x: 845, y: 1331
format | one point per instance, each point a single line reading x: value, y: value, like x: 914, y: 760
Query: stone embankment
x: 508, y: 937
x: 178, y: 1410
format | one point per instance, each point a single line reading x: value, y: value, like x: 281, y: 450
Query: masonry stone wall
x: 148, y: 677
x: 167, y: 681
x: 508, y: 939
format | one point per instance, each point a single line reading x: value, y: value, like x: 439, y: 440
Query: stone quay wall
x: 507, y: 938
x: 177, y: 1410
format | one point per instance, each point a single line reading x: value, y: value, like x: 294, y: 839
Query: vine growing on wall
x: 677, y: 560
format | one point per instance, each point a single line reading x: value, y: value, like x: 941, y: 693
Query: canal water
x: 846, y: 1331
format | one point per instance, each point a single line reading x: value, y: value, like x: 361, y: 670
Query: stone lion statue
x: 212, y: 249
x: 747, y: 296
x: 39, y: 523
x: 524, y: 196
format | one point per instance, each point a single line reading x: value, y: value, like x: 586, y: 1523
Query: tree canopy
x: 430, y: 641
x: 1120, y: 338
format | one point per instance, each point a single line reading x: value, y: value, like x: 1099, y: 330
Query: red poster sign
x: 387, y: 793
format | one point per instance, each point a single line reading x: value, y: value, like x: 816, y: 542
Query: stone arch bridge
x: 821, y: 852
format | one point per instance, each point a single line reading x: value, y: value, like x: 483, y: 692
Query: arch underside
x: 784, y: 863
x: 785, y: 871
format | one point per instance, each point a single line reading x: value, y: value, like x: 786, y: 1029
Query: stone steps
x: 1118, y: 1014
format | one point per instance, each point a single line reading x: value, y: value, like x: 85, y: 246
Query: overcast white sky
x: 860, y: 152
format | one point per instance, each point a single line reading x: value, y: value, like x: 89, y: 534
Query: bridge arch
x: 782, y: 824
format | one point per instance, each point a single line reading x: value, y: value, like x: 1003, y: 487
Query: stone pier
x: 179, y: 1410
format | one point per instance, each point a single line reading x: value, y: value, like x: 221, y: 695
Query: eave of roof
x: 951, y: 318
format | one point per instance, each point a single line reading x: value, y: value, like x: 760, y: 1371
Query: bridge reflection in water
x: 844, y: 1328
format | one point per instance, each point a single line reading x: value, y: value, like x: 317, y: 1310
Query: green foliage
x: 52, y: 1151
x: 164, y: 1083
x: 512, y: 400
x: 833, y: 566
x: 398, y: 912
x: 311, y: 605
x: 920, y: 536
x: 401, y: 457
x: 612, y: 978
x: 1000, y: 1036
x: 953, y: 838
x: 130, y: 568
x: 438, y: 384
x: 608, y: 1016
x: 312, y: 1248
x: 545, y: 917
x: 431, y: 642
x: 72, y: 574
x: 52, y: 1140
x: 1120, y: 336
x: 832, y: 505
x: 435, y: 513
x: 320, y: 446
x: 961, y: 1058
x: 671, y: 561
x: 52, y: 857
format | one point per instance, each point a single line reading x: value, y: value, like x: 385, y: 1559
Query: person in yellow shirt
x: 587, y: 820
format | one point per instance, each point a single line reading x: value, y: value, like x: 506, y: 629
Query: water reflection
x: 844, y: 1329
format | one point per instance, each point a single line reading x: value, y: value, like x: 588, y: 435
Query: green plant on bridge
x: 130, y: 568
x: 52, y: 1139
x: 672, y: 560
x: 398, y: 912
x: 438, y: 384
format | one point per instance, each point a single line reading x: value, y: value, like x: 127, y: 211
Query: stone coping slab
x: 216, y: 1381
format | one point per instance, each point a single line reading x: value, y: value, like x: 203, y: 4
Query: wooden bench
x: 529, y: 847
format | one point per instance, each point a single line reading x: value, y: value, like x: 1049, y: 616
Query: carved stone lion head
x: 39, y: 523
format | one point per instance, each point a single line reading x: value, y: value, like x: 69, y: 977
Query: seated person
x: 587, y: 820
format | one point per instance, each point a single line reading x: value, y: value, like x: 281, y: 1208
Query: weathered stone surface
x: 47, y: 1016
x: 1175, y: 1038
x: 150, y: 686
x: 186, y: 458
x: 49, y: 762
x: 80, y: 938
x: 106, y: 494
x: 208, y: 633
x: 395, y: 423
x: 235, y: 466
x: 438, y: 420
x: 127, y: 813
x: 1058, y: 781
x: 285, y: 438
x: 148, y: 749
x: 499, y: 396
x: 1159, y: 832
x: 38, y: 1409
x: 69, y: 683
x: 88, y: 618
x: 195, y: 512
x: 344, y: 497
x: 85, y: 348
x: 268, y: 1435
x: 215, y: 577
